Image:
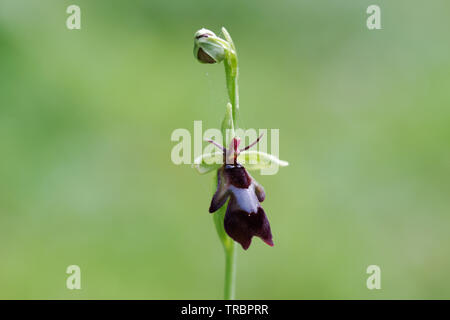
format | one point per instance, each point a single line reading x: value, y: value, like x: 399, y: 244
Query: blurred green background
x: 86, y: 177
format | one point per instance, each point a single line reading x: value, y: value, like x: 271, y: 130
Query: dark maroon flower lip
x: 244, y: 218
x: 242, y: 226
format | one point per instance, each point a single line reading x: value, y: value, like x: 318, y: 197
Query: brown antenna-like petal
x: 252, y: 144
x: 217, y: 145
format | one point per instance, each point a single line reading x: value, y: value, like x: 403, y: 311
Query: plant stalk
x: 230, y: 272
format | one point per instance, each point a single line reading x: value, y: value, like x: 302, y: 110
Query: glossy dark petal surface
x: 259, y: 190
x: 222, y: 193
x: 242, y: 226
x: 237, y: 176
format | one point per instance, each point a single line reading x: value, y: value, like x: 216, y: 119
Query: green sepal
x: 256, y: 160
x: 208, y: 162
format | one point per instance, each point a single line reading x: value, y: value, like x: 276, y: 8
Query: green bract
x: 228, y: 125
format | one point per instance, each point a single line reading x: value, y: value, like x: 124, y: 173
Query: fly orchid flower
x: 244, y: 217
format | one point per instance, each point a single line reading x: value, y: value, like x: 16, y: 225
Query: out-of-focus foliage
x: 86, y: 178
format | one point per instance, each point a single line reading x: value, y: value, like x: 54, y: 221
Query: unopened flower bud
x: 209, y: 48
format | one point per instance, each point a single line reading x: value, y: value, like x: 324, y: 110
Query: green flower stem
x: 229, y: 246
x: 230, y: 272
x: 232, y: 87
x: 231, y: 73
